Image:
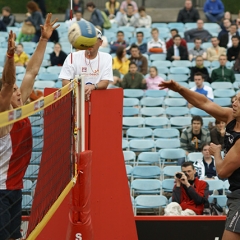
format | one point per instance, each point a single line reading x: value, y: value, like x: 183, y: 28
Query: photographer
x: 190, y: 192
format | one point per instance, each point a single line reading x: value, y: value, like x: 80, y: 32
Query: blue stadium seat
x: 198, y: 112
x: 129, y: 157
x: 179, y: 70
x: 177, y: 111
x: 151, y: 102
x: 159, y: 63
x: 158, y: 56
x: 182, y: 63
x: 166, y: 133
x: 163, y: 70
x: 129, y: 169
x: 148, y: 158
x: 221, y: 85
x: 20, y: 69
x: 130, y: 102
x: 166, y: 143
x: 47, y: 76
x: 147, y: 172
x: 167, y: 185
x: 133, y: 93
x: 36, y: 158
x: 173, y: 94
x: 54, y: 69
x: 130, y: 111
x: 26, y: 202
x: 180, y: 122
x: 155, y: 93
x: 221, y: 200
x: 32, y: 172
x: 41, y: 85
x: 146, y: 186
x: 175, y: 102
x: 194, y: 156
x: 224, y: 93
x: 152, y: 111
x: 141, y: 145
x: 156, y: 122
x: 139, y: 133
x: 207, y: 120
x: 206, y: 45
x: 171, y: 154
x: 125, y: 144
x: 132, y: 122
x: 126, y: 29
x: 159, y: 25
x: 237, y: 77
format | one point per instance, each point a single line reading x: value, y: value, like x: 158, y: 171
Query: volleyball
x: 82, y: 35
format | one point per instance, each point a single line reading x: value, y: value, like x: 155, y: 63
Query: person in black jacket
x: 188, y: 13
x: 177, y: 52
x: 232, y: 52
x: 7, y: 17
x: 226, y: 39
x: 200, y: 68
x: 57, y: 57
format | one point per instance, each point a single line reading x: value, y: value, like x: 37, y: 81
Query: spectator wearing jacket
x: 96, y: 16
x: 190, y: 192
x: 120, y: 42
x: 205, y: 167
x: 2, y: 27
x: 198, y: 32
x: 214, y: 10
x: 170, y: 42
x: 232, y: 52
x: 128, y: 19
x: 188, y: 13
x: 193, y: 137
x: 142, y: 45
x: 177, y: 52
x: 225, y: 28
x: 57, y: 57
x: 223, y: 74
x: 139, y: 59
x: 214, y: 52
x: 7, y: 17
x: 156, y: 45
x: 144, y: 20
x: 218, y: 132
x: 226, y: 39
x: 199, y: 68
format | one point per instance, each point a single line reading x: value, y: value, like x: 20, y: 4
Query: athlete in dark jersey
x: 230, y: 166
x: 16, y: 139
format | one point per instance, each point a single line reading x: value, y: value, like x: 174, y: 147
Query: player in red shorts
x: 16, y: 139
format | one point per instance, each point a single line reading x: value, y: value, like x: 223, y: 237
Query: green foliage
x: 233, y: 6
x: 19, y: 6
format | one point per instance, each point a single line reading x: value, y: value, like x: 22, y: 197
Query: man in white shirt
x: 156, y: 45
x: 95, y: 66
x: 201, y: 88
x: 226, y: 39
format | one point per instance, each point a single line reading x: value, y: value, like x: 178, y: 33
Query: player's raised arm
x: 37, y: 58
x: 200, y: 101
x: 8, y: 76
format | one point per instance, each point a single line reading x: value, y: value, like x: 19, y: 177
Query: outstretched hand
x: 48, y: 27
x: 172, y: 85
x: 11, y: 43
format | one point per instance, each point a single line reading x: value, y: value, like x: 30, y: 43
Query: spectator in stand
x: 142, y: 45
x: 111, y: 8
x: 238, y: 23
x: 144, y: 20
x: 153, y: 80
x: 177, y: 52
x: 214, y: 52
x: 7, y: 17
x: 35, y: 18
x: 20, y: 57
x: 170, y: 43
x: 218, y: 132
x: 201, y: 88
x: 96, y: 16
x: 193, y: 137
x: 205, y: 167
x: 236, y: 66
x: 139, y: 59
x: 77, y: 16
x: 226, y: 39
x: 133, y: 79
x: 198, y: 32
x: 188, y: 13
x: 128, y: 19
x: 57, y: 57
x: 120, y: 42
x: 232, y: 52
x: 123, y: 9
x: 223, y: 74
x: 225, y: 28
x: 228, y: 16
x: 77, y: 5
x: 156, y: 45
x: 197, y: 50
x: 42, y: 6
x: 214, y: 10
x: 199, y: 67
x: 189, y: 192
x: 120, y: 62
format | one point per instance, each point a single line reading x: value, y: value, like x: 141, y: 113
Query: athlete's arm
x: 200, y: 101
x: 231, y: 161
x: 8, y: 75
x: 65, y: 82
x: 36, y: 60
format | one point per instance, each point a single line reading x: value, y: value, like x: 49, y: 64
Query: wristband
x: 44, y: 39
x: 10, y: 56
x: 96, y: 86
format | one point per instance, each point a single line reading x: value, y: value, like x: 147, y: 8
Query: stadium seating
x: 146, y: 186
x: 152, y: 111
x: 139, y: 133
x: 166, y: 133
x: 148, y: 158
x: 177, y: 111
x: 157, y: 122
x: 171, y: 156
x: 129, y: 157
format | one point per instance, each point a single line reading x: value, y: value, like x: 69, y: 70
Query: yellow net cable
x: 14, y: 115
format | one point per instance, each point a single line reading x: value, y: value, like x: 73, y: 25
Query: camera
x: 179, y: 175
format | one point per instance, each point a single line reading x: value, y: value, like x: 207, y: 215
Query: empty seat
x: 221, y: 85
x: 194, y: 156
x: 133, y: 93
x: 178, y: 77
x: 180, y: 122
x: 179, y: 70
x: 129, y: 157
x: 156, y: 122
x: 155, y: 93
x: 148, y: 158
x: 130, y: 111
x: 125, y: 144
x: 167, y: 143
x: 223, y: 102
x: 41, y: 85
x: 139, y: 133
x: 151, y: 102
x: 171, y: 154
x: 146, y: 172
x: 132, y: 122
x: 224, y: 93
x: 177, y: 111
x: 168, y: 184
x: 166, y: 133
x: 146, y: 186
x: 31, y: 172
x: 198, y: 112
x: 182, y: 63
x: 152, y: 111
x: 141, y: 145
x: 130, y: 102
x: 175, y: 102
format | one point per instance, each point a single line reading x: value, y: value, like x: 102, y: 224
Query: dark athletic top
x: 229, y: 140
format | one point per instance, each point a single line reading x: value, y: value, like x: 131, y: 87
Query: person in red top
x: 190, y: 192
x: 16, y: 139
x: 170, y: 42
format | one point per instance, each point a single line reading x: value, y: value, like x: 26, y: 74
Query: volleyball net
x: 51, y: 173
